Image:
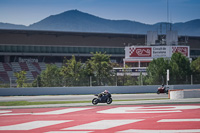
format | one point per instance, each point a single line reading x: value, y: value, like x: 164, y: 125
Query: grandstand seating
x: 32, y: 70
x: 11, y: 75
x: 42, y: 65
x: 29, y: 76
x: 35, y: 74
x: 31, y: 67
x: 37, y: 65
x: 4, y: 76
x: 16, y: 67
x: 7, y: 67
x: 58, y: 64
x: 23, y: 66
x: 1, y: 67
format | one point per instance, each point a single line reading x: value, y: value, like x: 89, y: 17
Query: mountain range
x: 77, y: 21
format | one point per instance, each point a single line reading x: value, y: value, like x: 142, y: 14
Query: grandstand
x: 31, y: 50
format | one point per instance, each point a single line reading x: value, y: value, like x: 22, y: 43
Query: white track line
x: 70, y: 132
x: 5, y: 111
x: 178, y: 120
x: 32, y: 125
x: 62, y: 111
x: 102, y: 125
x: 160, y: 131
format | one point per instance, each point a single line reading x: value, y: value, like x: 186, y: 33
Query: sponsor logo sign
x: 183, y: 50
x: 155, y: 51
x: 140, y: 51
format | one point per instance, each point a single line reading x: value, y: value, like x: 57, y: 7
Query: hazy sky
x: 27, y: 12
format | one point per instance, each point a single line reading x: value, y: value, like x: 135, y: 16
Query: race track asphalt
x: 118, y: 99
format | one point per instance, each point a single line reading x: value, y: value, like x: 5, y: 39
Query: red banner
x: 140, y: 52
x: 183, y: 50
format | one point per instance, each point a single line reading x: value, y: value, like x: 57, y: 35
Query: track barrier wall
x: 184, y: 93
x: 87, y: 90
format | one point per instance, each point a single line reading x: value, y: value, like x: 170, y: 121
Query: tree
x: 51, y: 77
x: 101, y: 66
x: 179, y: 69
x: 21, y: 78
x: 157, y: 71
x: 37, y: 82
x: 195, y: 68
x: 72, y: 71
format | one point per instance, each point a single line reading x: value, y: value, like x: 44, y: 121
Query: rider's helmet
x: 163, y: 85
x: 105, y: 91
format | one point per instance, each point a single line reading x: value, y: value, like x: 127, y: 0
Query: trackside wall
x: 185, y: 93
x: 87, y: 90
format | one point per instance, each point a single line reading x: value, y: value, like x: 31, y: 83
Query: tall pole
x: 167, y: 11
x: 167, y: 76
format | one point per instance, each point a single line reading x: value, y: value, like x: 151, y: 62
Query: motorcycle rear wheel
x: 95, y: 101
x: 109, y: 101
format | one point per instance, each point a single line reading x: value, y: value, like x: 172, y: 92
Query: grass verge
x: 23, y: 103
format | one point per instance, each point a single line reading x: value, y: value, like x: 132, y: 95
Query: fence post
x: 37, y: 83
x: 191, y: 79
x: 90, y: 81
x: 141, y: 79
x: 10, y: 82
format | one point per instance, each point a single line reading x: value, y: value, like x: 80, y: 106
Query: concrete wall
x: 87, y: 90
x: 185, y: 93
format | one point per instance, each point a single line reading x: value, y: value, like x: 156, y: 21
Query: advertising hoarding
x: 184, y: 50
x: 155, y: 51
x: 140, y: 52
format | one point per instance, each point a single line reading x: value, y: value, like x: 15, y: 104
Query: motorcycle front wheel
x: 109, y: 101
x: 95, y: 101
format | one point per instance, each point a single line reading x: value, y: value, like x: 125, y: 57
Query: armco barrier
x: 87, y: 90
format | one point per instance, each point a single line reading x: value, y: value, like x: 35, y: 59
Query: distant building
x: 30, y: 50
x: 137, y: 58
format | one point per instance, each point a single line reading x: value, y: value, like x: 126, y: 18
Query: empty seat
x: 1, y: 67
x: 7, y: 67
x: 23, y: 66
x: 42, y: 65
x: 16, y: 66
x: 4, y: 76
x: 34, y: 73
x: 37, y: 65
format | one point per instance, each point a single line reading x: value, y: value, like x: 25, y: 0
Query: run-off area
x: 103, y: 119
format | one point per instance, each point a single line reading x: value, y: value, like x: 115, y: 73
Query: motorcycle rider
x: 103, y: 97
x: 163, y: 87
x: 104, y: 93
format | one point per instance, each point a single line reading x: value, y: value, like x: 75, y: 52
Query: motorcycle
x: 162, y: 90
x: 102, y: 99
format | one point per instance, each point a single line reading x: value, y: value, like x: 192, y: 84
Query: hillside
x: 78, y: 21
